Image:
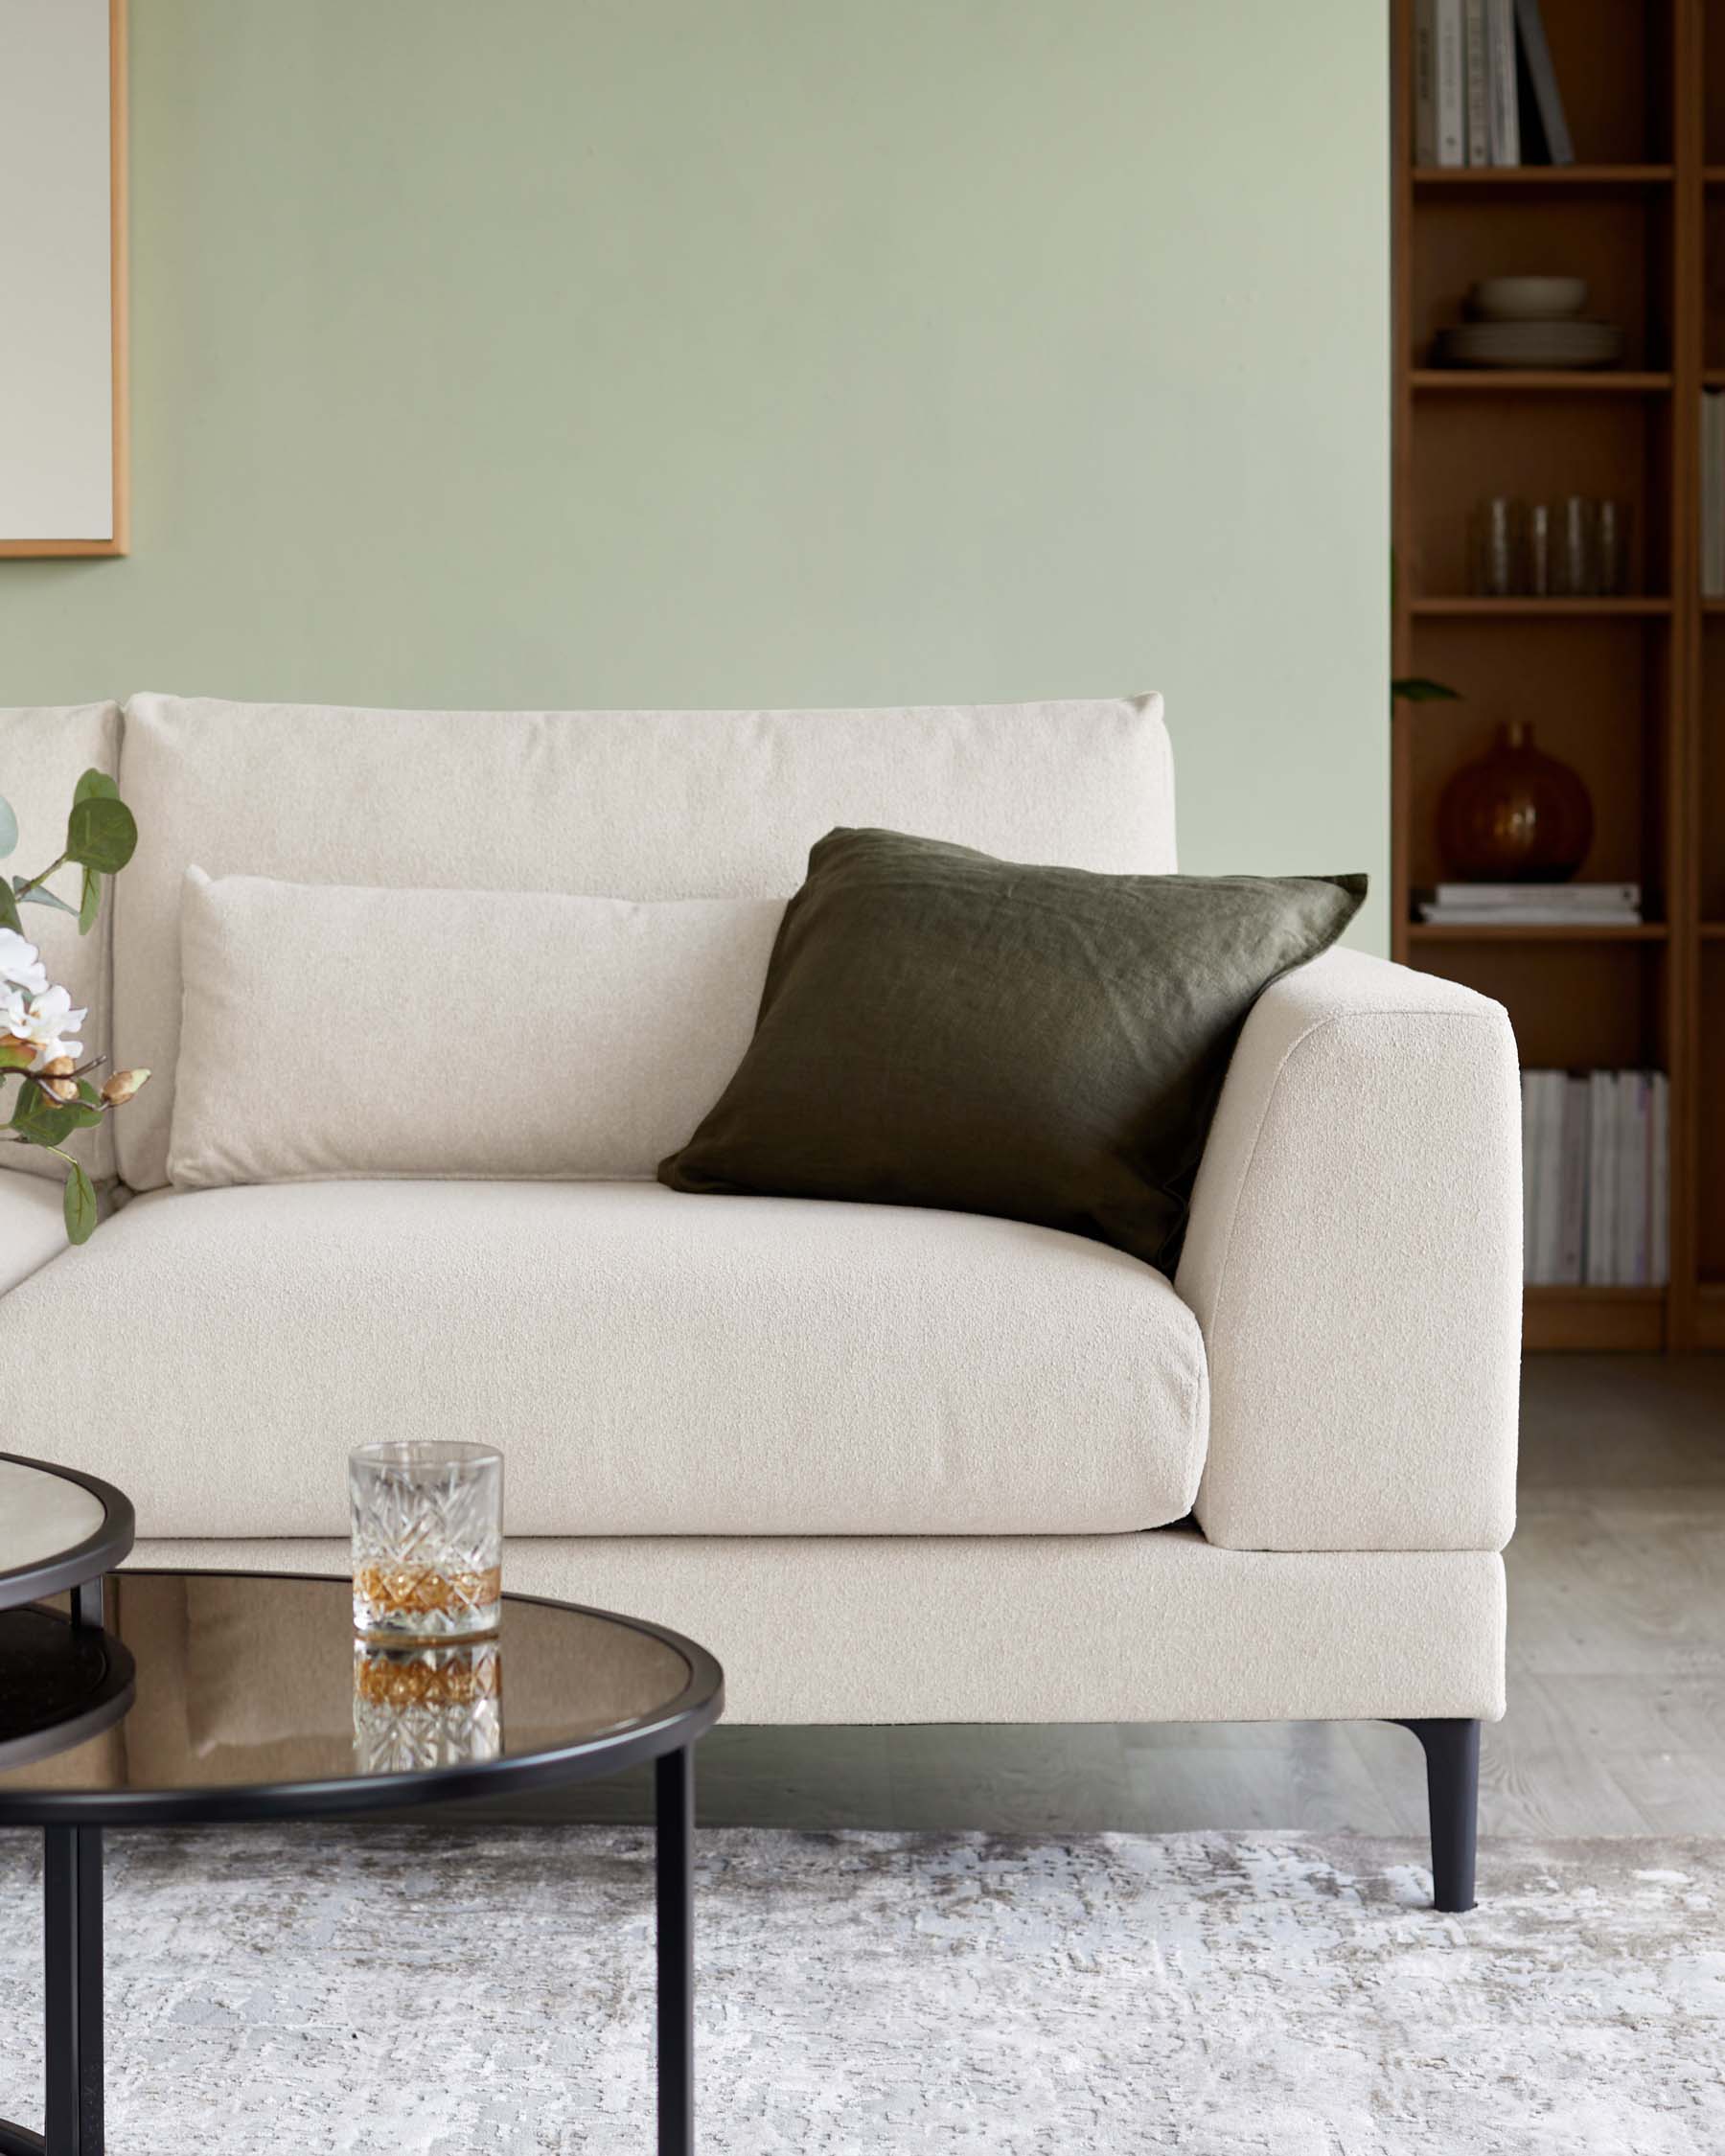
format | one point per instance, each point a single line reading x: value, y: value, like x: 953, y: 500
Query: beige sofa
x: 890, y: 1465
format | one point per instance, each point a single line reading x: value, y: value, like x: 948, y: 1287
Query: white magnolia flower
x: 20, y: 966
x: 46, y: 1021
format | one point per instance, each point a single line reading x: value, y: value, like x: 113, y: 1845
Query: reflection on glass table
x: 426, y: 1706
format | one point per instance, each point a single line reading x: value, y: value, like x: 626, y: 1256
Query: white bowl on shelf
x: 1531, y: 345
x: 1527, y: 299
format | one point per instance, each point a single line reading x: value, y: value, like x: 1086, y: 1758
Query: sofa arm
x: 1354, y: 1262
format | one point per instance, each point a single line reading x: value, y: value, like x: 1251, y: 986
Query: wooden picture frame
x: 115, y: 540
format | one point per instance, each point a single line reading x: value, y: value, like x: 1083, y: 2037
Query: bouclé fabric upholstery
x: 889, y: 1463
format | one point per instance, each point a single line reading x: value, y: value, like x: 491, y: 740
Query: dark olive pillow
x: 942, y: 1028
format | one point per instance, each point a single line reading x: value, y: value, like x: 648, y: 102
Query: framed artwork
x: 62, y: 277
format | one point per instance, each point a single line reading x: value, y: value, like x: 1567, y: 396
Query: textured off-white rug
x: 884, y: 1994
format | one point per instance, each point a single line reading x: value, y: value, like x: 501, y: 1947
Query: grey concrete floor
x: 1616, y: 1678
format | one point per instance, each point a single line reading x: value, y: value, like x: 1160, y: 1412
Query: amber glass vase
x: 1515, y: 816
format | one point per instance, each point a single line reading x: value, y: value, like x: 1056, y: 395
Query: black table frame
x: 73, y: 1823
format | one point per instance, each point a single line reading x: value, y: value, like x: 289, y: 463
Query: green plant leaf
x: 39, y: 896
x: 1415, y: 688
x: 8, y: 827
x: 101, y: 833
x: 9, y: 909
x: 80, y: 1206
x: 17, y: 1059
x: 42, y: 1121
x: 95, y: 786
x: 89, y: 903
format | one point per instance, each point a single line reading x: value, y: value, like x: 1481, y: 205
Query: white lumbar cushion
x: 330, y: 1032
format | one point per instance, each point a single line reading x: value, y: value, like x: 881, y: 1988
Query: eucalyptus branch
x: 35, y: 882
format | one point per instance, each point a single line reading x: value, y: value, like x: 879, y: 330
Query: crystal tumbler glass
x: 427, y: 1521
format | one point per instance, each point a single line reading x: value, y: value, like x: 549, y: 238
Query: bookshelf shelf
x: 1551, y: 381
x: 1629, y: 691
x: 1623, y: 1319
x: 1541, y: 179
x: 1536, y: 931
x: 1600, y: 1297
x: 1459, y: 606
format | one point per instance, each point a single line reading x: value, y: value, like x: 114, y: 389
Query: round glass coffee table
x: 255, y: 1701
x: 59, y: 1530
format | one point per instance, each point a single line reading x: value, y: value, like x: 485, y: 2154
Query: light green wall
x: 766, y: 351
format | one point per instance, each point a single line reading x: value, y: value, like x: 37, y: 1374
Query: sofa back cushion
x: 44, y: 748
x: 603, y: 804
x: 329, y: 1032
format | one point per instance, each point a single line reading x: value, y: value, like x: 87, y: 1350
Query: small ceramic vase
x: 1515, y: 816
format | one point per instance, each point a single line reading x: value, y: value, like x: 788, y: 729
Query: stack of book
x: 1486, y: 92
x: 1712, y: 493
x: 1595, y: 1178
x: 1532, y: 906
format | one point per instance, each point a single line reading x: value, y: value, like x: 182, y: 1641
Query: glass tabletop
x: 42, y: 1514
x: 252, y: 1698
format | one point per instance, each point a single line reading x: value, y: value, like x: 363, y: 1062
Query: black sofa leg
x: 1452, y: 1754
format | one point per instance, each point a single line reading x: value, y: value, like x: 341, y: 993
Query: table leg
x: 72, y: 1899
x: 674, y: 1797
x: 71, y: 1966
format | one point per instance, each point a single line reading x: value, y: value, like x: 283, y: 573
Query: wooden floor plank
x: 1541, y: 1777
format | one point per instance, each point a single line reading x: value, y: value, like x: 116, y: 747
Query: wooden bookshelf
x: 1630, y: 691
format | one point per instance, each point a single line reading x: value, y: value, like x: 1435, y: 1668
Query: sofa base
x: 1155, y: 1627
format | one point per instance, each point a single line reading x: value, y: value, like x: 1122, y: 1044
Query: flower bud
x: 62, y: 1066
x: 63, y: 1089
x: 122, y: 1086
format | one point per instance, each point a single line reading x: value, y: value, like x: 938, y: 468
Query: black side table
x: 562, y: 1694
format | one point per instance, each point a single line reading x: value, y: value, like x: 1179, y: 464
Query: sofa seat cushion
x: 651, y: 1364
